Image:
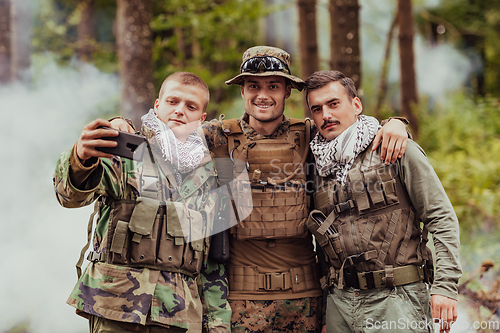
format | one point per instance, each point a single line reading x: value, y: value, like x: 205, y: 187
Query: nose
x: 326, y: 113
x: 180, y: 109
x: 262, y: 94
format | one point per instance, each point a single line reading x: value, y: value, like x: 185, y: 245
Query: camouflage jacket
x: 140, y: 295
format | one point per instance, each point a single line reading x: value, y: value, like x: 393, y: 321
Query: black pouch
x: 219, y: 241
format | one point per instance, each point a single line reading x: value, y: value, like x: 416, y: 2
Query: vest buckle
x: 343, y: 206
x: 275, y: 281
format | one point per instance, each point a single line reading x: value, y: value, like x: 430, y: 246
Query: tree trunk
x: 270, y: 26
x: 309, y: 58
x: 86, y: 30
x: 5, y: 41
x: 135, y: 50
x: 382, y: 88
x: 344, y: 43
x: 21, y: 40
x: 409, y: 95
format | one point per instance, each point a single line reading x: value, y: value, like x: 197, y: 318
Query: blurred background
x: 65, y: 62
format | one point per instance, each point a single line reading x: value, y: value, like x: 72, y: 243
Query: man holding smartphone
x: 144, y: 264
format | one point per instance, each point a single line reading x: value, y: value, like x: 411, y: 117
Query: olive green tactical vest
x: 151, y: 230
x: 371, y: 224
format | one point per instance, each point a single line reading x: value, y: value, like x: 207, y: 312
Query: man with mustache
x: 367, y: 220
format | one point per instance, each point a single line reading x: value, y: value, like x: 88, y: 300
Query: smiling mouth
x: 263, y: 106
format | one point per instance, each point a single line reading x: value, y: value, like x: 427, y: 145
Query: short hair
x: 320, y: 79
x: 189, y: 79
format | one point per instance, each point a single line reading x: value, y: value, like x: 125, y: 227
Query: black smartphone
x: 129, y: 146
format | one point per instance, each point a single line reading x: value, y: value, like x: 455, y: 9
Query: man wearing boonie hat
x: 273, y: 276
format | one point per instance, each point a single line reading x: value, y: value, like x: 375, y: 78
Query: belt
x: 379, y: 279
x: 249, y: 279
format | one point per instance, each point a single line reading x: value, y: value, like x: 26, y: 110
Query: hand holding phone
x: 129, y: 145
x: 98, y: 139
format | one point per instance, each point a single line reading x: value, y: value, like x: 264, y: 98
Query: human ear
x: 157, y: 103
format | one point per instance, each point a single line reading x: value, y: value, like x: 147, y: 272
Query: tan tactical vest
x: 371, y: 225
x: 276, y: 170
x: 147, y: 232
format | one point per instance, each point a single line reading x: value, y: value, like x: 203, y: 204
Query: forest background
x: 66, y: 62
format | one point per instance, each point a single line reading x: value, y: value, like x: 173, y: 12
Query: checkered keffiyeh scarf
x: 337, y: 156
x: 183, y: 156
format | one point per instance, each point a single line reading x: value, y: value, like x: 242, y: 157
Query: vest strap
x: 290, y: 216
x: 278, y: 232
x: 406, y: 240
x: 97, y: 208
x: 388, y: 236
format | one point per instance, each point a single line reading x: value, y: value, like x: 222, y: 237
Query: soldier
x: 272, y: 270
x: 143, y: 267
x: 273, y: 277
x: 368, y: 222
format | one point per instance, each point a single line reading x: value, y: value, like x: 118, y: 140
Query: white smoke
x: 41, y: 240
x: 439, y: 68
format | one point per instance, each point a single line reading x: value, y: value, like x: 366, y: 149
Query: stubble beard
x: 268, y: 120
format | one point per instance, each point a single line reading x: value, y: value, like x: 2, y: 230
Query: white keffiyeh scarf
x: 183, y: 156
x: 337, y: 156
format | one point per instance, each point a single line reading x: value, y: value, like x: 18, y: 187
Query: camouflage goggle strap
x: 97, y: 206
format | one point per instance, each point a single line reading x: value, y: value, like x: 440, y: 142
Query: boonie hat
x: 266, y: 61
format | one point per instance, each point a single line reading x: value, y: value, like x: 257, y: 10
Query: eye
x: 192, y: 107
x: 315, y: 110
x: 253, y: 86
x: 274, y: 86
x: 171, y: 101
x: 333, y: 104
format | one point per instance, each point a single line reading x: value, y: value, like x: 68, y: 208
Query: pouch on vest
x: 185, y: 237
x: 143, y: 242
x: 323, y: 230
x: 219, y: 242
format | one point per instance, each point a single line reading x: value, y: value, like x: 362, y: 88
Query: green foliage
x: 462, y: 141
x: 205, y: 37
x: 55, y: 31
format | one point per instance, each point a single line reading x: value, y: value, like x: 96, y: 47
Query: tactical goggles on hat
x: 266, y: 61
x: 264, y: 64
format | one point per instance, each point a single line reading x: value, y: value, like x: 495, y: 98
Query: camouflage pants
x: 284, y: 316
x: 401, y: 309
x: 102, y: 325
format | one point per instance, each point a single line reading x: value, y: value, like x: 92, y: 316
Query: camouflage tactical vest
x: 279, y: 205
x: 371, y: 224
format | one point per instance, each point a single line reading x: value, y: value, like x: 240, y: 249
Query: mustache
x: 328, y: 121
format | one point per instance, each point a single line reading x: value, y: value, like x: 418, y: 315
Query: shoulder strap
x: 97, y: 207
